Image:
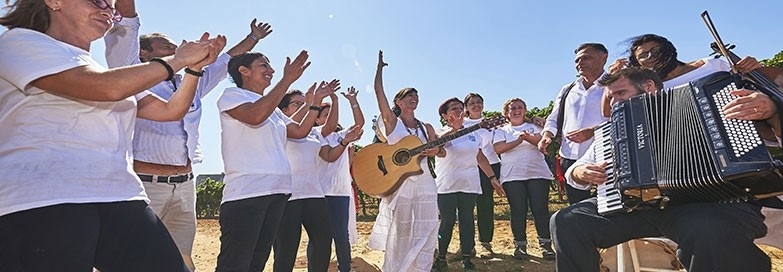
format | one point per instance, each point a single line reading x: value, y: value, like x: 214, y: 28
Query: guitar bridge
x: 382, y: 166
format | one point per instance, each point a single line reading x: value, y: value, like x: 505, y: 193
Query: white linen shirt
x: 54, y: 149
x: 524, y: 161
x: 583, y: 111
x: 254, y: 156
x: 456, y: 172
x: 168, y: 143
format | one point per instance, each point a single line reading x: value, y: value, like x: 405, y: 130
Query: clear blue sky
x: 501, y: 49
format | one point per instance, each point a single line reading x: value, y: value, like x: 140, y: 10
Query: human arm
x: 586, y: 171
x: 432, y: 136
x: 503, y: 145
x: 331, y: 154
x: 388, y: 117
x: 255, y: 113
x: 358, y: 116
x: 301, y: 129
x: 122, y: 40
x: 152, y: 108
x: 258, y: 31
x: 331, y: 121
x: 485, y: 167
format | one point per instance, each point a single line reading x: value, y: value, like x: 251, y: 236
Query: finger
x: 253, y: 23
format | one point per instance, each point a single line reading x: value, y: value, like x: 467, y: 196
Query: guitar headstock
x: 490, y: 123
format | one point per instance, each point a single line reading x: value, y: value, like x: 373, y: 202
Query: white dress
x: 407, y: 224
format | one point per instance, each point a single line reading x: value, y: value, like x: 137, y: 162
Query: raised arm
x: 388, y: 117
x: 255, y: 113
x: 153, y: 108
x: 301, y: 129
x: 258, y: 31
x: 358, y: 116
x: 334, y: 116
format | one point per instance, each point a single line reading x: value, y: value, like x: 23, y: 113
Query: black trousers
x: 313, y: 214
x: 574, y: 195
x: 247, y: 231
x: 533, y: 193
x: 711, y: 236
x: 452, y: 206
x: 115, y: 236
x: 485, y: 206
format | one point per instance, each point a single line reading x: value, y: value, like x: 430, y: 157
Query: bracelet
x: 315, y: 108
x: 252, y: 37
x: 492, y: 177
x: 165, y: 65
x: 194, y: 72
x: 354, y: 106
x: 342, y: 144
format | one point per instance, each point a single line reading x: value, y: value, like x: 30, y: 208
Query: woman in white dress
x: 407, y: 223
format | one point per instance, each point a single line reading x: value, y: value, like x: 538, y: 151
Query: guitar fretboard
x: 444, y: 139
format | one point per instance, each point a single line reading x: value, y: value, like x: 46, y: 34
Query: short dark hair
x: 471, y: 96
x: 244, y: 59
x: 637, y: 75
x: 287, y: 98
x: 444, y: 107
x: 594, y: 46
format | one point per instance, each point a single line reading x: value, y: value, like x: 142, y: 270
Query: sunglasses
x: 104, y: 4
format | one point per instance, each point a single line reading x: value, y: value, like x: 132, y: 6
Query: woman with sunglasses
x: 71, y: 201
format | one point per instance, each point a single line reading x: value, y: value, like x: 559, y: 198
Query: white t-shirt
x: 336, y: 176
x: 254, y: 156
x: 456, y: 172
x: 53, y: 149
x: 488, y: 136
x: 303, y: 158
x: 711, y: 65
x: 524, y: 161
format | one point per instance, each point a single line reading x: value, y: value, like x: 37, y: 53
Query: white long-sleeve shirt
x: 583, y: 110
x: 169, y: 143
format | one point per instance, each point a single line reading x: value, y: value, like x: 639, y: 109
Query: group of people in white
x: 97, y: 162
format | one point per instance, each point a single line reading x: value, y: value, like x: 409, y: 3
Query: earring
x: 55, y: 9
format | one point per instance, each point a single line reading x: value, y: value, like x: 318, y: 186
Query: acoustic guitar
x: 380, y: 168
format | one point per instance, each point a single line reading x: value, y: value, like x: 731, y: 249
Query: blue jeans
x: 338, y: 209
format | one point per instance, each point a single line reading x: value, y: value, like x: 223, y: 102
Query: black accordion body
x: 676, y: 146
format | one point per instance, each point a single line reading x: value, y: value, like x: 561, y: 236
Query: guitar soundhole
x: 402, y: 157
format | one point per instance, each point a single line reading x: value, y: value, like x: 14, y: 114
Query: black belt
x: 166, y: 179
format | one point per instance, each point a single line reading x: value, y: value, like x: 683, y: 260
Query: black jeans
x: 485, y: 206
x: 115, y: 236
x: 711, y: 236
x: 574, y: 195
x: 313, y: 214
x: 247, y: 231
x: 338, y: 210
x: 533, y: 193
x: 451, y: 206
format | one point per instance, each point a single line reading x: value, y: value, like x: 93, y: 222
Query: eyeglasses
x: 104, y: 4
x: 648, y: 54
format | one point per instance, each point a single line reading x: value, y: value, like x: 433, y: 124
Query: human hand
x: 544, y: 143
x: 432, y: 151
x: 326, y: 89
x: 381, y: 64
x: 193, y: 52
x: 354, y: 133
x: 293, y: 70
x: 618, y: 65
x: 260, y: 30
x: 747, y: 64
x: 217, y: 45
x: 351, y: 94
x: 591, y: 173
x: 749, y: 105
x: 580, y: 135
x: 498, y: 188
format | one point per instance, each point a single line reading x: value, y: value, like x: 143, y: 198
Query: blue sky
x: 501, y: 49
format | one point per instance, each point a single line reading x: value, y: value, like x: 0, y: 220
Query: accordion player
x: 675, y: 146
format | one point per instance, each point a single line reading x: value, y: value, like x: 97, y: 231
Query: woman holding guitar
x: 458, y: 183
x: 407, y: 222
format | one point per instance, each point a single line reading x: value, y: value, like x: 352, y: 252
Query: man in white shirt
x: 163, y: 151
x: 580, y: 103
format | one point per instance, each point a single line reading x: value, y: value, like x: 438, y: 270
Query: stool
x: 644, y: 254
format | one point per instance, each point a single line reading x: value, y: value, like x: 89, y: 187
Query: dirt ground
x: 207, y: 245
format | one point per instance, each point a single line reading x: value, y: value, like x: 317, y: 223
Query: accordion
x: 676, y: 146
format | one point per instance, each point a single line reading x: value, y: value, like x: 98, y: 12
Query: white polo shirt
x: 524, y: 161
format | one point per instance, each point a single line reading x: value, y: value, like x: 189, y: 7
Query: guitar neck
x: 445, y: 139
